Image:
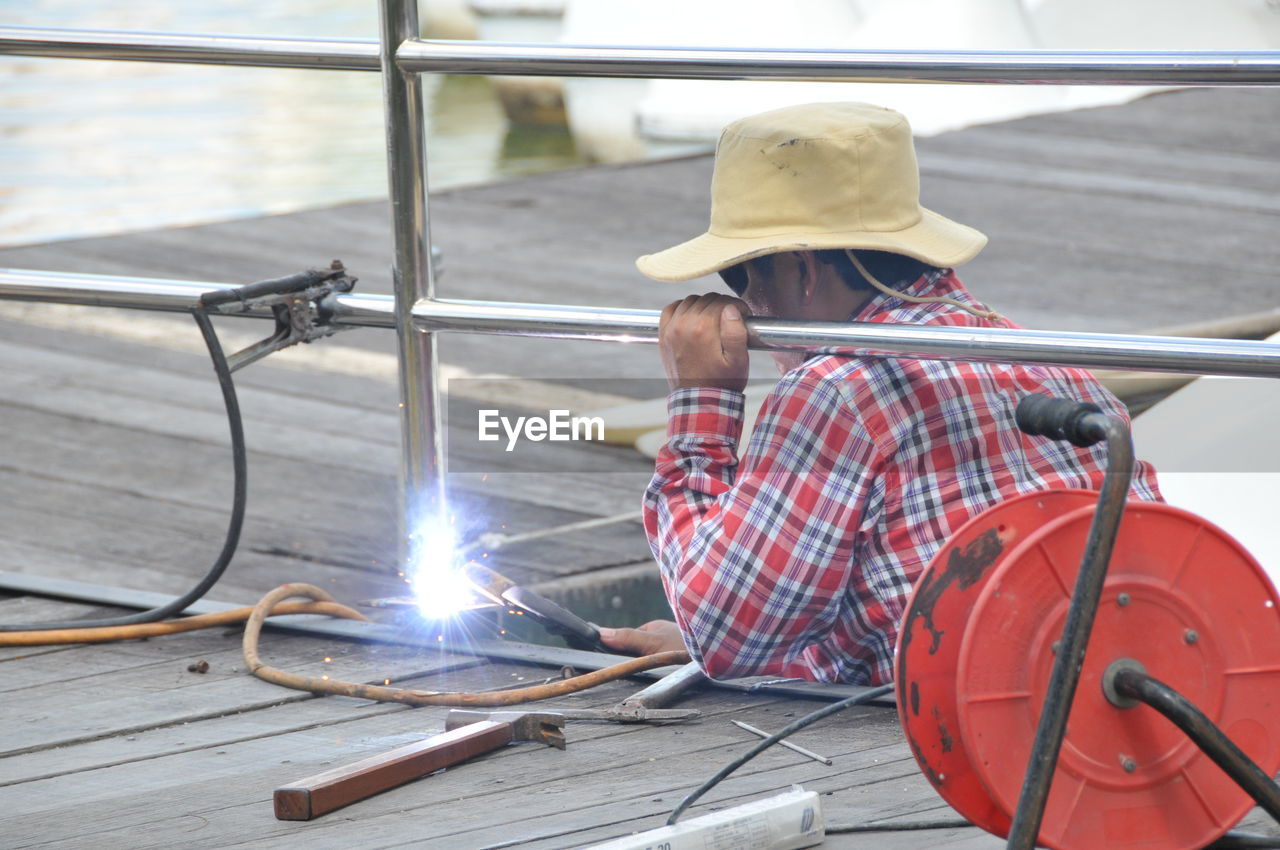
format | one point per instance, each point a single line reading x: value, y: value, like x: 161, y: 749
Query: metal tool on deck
x: 991, y: 663
x: 640, y: 706
x: 323, y: 793
x: 644, y: 706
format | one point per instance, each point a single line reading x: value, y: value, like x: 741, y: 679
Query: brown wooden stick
x: 320, y: 794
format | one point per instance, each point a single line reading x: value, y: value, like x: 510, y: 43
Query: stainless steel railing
x: 418, y: 315
x: 1237, y: 358
x: 414, y: 55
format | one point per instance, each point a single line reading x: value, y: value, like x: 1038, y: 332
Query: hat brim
x: 934, y: 239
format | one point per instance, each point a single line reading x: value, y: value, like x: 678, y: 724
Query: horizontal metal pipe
x: 198, y: 49
x: 175, y: 296
x: 1093, y: 67
x: 1241, y: 358
x: 104, y: 290
x: 1245, y: 358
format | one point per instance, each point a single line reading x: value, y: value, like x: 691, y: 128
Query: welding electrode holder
x: 302, y: 305
x: 1059, y: 419
x: 556, y: 619
x: 287, y: 285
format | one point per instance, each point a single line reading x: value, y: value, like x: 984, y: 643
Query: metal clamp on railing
x: 301, y: 304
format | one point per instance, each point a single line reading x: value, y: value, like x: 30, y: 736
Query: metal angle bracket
x: 302, y: 305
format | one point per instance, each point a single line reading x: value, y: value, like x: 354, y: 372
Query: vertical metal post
x: 422, y: 445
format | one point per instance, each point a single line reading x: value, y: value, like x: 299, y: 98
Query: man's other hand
x: 703, y: 341
x: 654, y: 636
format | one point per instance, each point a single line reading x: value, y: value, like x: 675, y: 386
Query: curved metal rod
x: 1076, y: 630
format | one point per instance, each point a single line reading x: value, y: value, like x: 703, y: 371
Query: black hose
x: 796, y: 726
x: 896, y: 826
x: 1066, y: 420
x: 1245, y: 841
x: 1231, y: 841
x: 1224, y: 752
x: 232, y: 538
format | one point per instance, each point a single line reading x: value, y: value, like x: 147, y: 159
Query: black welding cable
x: 1230, y: 841
x: 240, y: 491
x: 796, y: 726
x: 1245, y: 841
x: 896, y: 826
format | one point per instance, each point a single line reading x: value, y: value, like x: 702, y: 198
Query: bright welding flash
x: 435, y: 571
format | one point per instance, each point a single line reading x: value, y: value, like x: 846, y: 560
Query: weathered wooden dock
x: 114, y: 470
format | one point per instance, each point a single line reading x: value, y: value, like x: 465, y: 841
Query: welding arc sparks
x: 436, y: 571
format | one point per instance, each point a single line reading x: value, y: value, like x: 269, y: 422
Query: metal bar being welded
x: 422, y: 440
x: 1239, y: 358
x: 335, y: 54
x: 1034, y: 67
x: 1038, y: 67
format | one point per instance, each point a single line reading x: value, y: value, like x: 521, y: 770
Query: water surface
x: 94, y: 147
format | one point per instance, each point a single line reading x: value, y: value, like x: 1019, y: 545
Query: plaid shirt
x: 797, y: 560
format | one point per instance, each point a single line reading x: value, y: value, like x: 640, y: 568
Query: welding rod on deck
x: 790, y: 746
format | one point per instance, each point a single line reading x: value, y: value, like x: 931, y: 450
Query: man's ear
x: 810, y: 275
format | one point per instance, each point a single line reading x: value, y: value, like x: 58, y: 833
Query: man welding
x: 795, y: 556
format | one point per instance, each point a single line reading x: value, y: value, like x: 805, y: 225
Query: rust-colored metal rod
x: 323, y: 793
x: 138, y: 631
x: 407, y: 696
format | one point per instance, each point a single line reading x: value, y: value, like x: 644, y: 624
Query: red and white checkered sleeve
x: 756, y: 557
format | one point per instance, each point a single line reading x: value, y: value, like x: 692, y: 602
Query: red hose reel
x: 1182, y: 601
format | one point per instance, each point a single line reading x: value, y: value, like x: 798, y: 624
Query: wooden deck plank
x: 611, y: 780
x: 146, y: 684
x: 348, y: 521
x: 342, y: 719
x: 547, y: 782
x: 290, y: 428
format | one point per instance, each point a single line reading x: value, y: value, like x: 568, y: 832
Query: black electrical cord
x: 232, y: 538
x: 1231, y: 841
x: 796, y: 726
x: 1245, y: 841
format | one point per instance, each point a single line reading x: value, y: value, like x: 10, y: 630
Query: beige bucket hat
x: 822, y: 175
